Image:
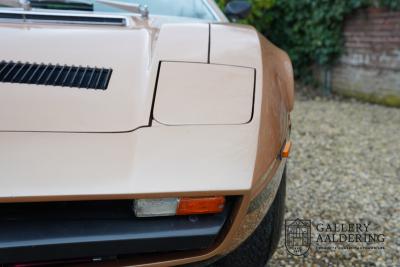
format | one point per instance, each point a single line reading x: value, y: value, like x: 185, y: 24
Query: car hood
x: 123, y: 106
x: 158, y: 161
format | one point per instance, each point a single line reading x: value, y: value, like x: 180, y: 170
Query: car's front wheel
x: 258, y: 248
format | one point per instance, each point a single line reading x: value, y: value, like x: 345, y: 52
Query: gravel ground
x: 344, y: 168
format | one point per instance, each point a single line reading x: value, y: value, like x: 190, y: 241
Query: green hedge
x: 309, y: 30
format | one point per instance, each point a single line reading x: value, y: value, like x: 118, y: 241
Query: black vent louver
x: 55, y: 75
x: 31, y: 16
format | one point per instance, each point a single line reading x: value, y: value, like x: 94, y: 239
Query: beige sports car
x: 140, y: 133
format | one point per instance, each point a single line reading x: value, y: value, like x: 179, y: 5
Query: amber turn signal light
x: 286, y: 149
x: 201, y: 205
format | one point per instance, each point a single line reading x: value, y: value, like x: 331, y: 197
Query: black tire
x: 258, y: 248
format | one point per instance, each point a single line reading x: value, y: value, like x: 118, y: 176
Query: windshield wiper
x: 84, y: 5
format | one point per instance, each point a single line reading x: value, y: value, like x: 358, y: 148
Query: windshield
x: 197, y: 9
x: 178, y: 8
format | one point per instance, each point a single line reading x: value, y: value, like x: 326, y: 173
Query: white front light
x: 155, y: 207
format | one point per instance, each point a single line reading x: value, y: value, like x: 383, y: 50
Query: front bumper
x: 63, y: 231
x: 174, y: 241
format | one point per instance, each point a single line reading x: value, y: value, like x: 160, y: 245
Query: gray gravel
x: 345, y: 168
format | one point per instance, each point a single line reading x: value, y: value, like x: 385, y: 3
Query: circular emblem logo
x: 297, y: 236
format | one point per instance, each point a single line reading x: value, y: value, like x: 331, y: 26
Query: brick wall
x: 370, y: 67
